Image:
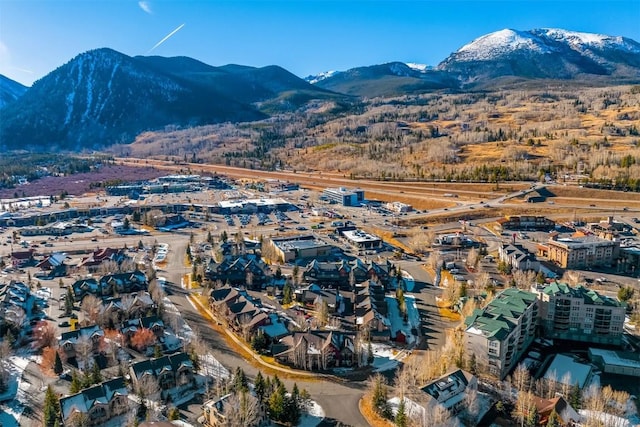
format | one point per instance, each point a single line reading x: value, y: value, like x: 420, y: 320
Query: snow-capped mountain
x: 544, y: 53
x: 419, y: 67
x: 313, y: 79
x: 396, y: 68
x: 393, y: 78
x: 10, y: 90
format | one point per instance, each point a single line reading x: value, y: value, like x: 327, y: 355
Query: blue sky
x: 303, y: 36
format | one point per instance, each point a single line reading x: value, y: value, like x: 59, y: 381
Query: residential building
x: 345, y: 274
x: 499, y: 334
x: 99, y: 403
x: 174, y: 374
x: 450, y: 390
x: 566, y: 414
x: 115, y: 310
x: 315, y: 350
x: 528, y: 222
x: 298, y: 247
x: 583, y: 252
x: 15, y: 300
x: 21, y: 259
x: 344, y: 196
x: 81, y: 342
x: 110, y: 284
x: 518, y: 257
x: 240, y: 311
x: 371, y: 311
x: 579, y: 314
x: 216, y: 412
x: 246, y: 270
x: 99, y: 256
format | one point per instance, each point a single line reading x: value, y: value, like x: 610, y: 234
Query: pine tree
x: 195, y: 359
x: 96, y: 376
x: 259, y: 387
x: 51, y: 408
x: 553, y: 420
x: 287, y: 294
x: 57, y: 364
x: 379, y: 396
x: 75, y: 383
x: 575, y: 397
x: 240, y: 383
x: 369, y: 353
x: 401, y: 416
x: 532, y: 417
x: 68, y: 303
x: 157, y: 351
x: 276, y: 407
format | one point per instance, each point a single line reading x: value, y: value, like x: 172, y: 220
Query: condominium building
x: 579, y: 314
x: 499, y: 334
x: 583, y: 252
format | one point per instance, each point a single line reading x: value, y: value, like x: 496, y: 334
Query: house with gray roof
x: 450, y: 390
x: 99, y: 403
x: 499, y: 334
x: 174, y: 373
x: 518, y: 257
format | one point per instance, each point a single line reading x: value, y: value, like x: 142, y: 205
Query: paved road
x: 339, y: 400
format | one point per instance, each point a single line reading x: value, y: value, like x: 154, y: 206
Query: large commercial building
x: 344, y: 196
x: 579, y: 314
x: 499, y: 334
x: 583, y: 252
x: 298, y: 247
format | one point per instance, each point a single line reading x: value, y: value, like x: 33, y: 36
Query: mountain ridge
x: 102, y: 97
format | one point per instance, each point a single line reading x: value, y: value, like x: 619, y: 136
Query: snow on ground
x: 210, y: 367
x: 11, y: 413
x: 385, y: 357
x: 608, y: 419
x: 395, y: 318
x: 312, y: 415
x: 409, y: 282
x: 185, y: 332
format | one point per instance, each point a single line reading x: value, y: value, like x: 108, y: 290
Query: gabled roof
x: 88, y: 331
x: 162, y: 364
x: 86, y: 399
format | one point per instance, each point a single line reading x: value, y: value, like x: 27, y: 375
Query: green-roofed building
x: 500, y: 333
x: 579, y: 314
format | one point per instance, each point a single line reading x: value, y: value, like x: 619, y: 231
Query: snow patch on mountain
x: 499, y: 43
x: 418, y: 67
x: 579, y: 41
x: 319, y: 77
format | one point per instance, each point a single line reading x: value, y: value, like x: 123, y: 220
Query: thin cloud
x: 145, y: 6
x: 165, y: 38
x: 24, y: 70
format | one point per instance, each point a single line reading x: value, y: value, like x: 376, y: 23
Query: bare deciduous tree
x: 91, y: 307
x: 242, y: 409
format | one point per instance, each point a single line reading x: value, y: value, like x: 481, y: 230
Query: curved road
x: 338, y: 400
